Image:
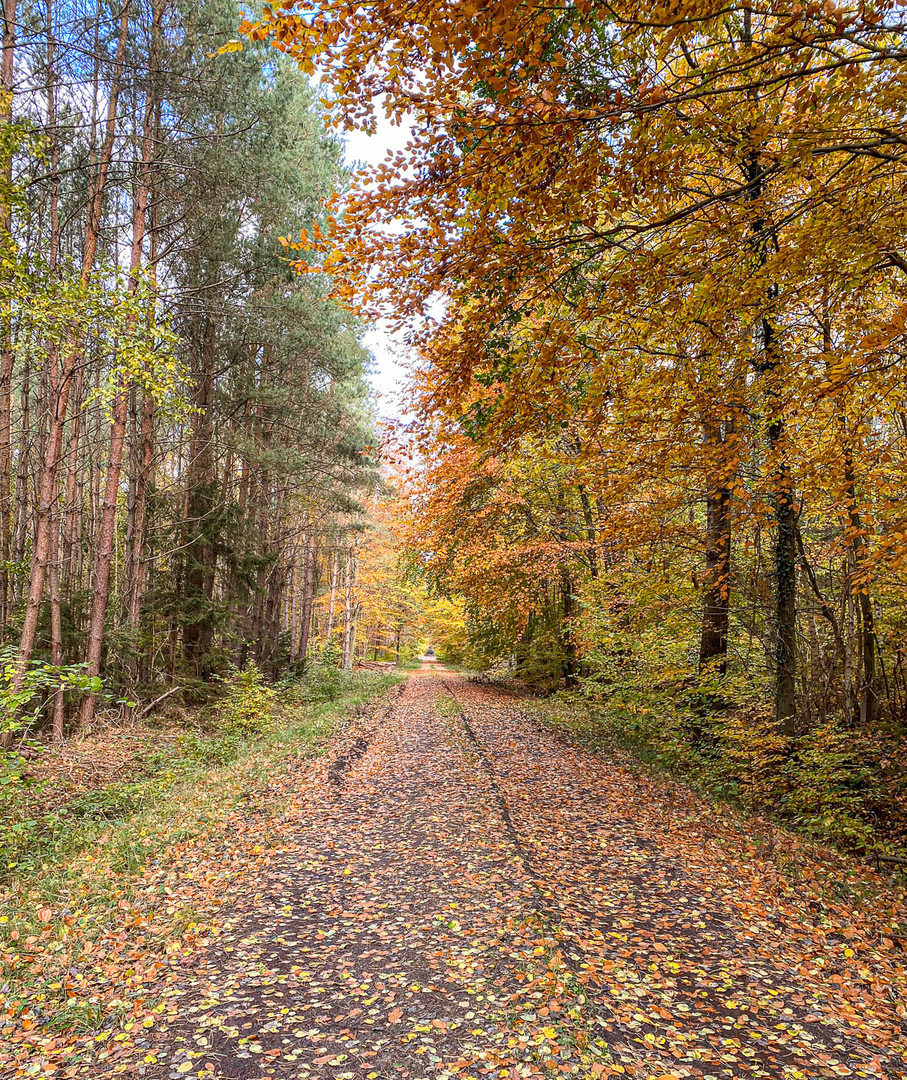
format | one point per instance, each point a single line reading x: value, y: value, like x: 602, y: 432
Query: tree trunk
x: 308, y: 596
x: 767, y: 368
x: 868, y: 688
x: 58, y: 712
x: 334, y: 570
x: 349, y: 626
x: 571, y: 665
x: 107, y: 531
x: 198, y: 584
x: 135, y: 580
x: 104, y: 550
x: 136, y: 583
x: 716, y: 602
x: 7, y: 354
x: 293, y: 613
x: 786, y: 588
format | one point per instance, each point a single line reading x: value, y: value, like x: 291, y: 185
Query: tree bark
x: 868, y: 689
x: 334, y: 571
x: 198, y: 584
x: 308, y: 596
x: 7, y: 354
x: 58, y: 711
x: 767, y: 367
x: 349, y: 617
x: 135, y: 580
x: 571, y: 665
x: 107, y: 531
x: 785, y: 577
x: 868, y: 685
x: 716, y: 603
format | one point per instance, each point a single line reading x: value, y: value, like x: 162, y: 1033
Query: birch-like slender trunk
x: 334, y: 572
x: 308, y: 596
x: 7, y: 354
x: 346, y: 660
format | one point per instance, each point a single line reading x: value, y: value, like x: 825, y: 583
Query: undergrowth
x: 823, y: 784
x: 69, y: 857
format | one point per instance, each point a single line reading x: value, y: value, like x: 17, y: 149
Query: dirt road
x: 459, y: 893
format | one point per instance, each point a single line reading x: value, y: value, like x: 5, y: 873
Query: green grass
x: 447, y: 706
x: 89, y: 860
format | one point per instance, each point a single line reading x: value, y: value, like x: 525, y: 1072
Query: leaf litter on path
x: 456, y: 892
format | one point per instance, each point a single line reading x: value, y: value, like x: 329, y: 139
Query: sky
x: 392, y: 364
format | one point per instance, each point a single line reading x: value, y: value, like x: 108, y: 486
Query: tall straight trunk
x: 58, y: 708
x: 308, y: 596
x: 22, y: 503
x: 354, y: 630
x: 568, y: 600
x: 271, y: 629
x: 868, y: 688
x: 293, y: 608
x: 135, y: 582
x: 7, y: 354
x: 120, y: 414
x: 133, y: 441
x: 349, y: 631
x: 198, y: 583
x: 768, y: 369
x: 334, y: 570
x: 104, y: 549
x: 716, y: 602
x: 135, y: 579
x: 61, y: 386
x: 73, y: 502
x: 58, y: 711
x: 785, y: 553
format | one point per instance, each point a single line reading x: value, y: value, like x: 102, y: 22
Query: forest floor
x: 453, y: 890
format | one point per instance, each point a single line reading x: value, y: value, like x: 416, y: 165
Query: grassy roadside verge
x: 88, y: 930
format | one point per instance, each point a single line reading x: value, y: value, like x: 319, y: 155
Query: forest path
x: 464, y: 894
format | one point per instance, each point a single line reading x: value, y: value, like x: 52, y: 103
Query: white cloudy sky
x: 391, y: 362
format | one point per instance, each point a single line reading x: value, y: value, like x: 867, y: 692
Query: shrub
x: 248, y: 706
